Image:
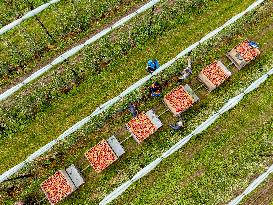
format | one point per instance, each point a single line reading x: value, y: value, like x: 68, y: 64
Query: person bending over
x: 155, y: 89
x: 152, y: 65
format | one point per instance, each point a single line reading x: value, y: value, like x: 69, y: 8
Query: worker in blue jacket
x: 155, y: 89
x: 152, y: 65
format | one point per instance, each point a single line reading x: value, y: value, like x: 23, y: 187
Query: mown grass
x: 28, y: 47
x: 111, y: 81
x: 207, y: 155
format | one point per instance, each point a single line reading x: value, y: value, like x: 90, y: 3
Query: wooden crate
x: 116, y: 146
x: 154, y: 120
x: 75, y: 175
x: 194, y: 98
x: 101, y: 156
x: 204, y: 79
x: 237, y: 59
x: 61, y: 192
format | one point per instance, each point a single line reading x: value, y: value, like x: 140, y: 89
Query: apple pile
x: 101, y: 156
x: 215, y: 73
x: 56, y: 187
x: 246, y: 51
x: 179, y: 99
x: 142, y: 127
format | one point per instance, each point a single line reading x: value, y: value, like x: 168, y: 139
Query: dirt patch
x: 197, y: 174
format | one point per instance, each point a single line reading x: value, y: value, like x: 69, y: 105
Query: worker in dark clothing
x: 152, y: 65
x: 155, y: 89
x: 186, y: 72
x: 253, y: 44
x: 133, y: 109
x: 177, y: 126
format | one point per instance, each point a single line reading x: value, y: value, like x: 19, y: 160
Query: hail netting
x: 253, y: 185
x: 76, y: 49
x: 130, y: 89
x: 27, y: 16
x: 229, y: 105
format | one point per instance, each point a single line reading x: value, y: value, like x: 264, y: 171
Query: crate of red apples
x: 214, y: 75
x: 144, y: 125
x: 58, y: 186
x: 242, y: 54
x: 101, y: 156
x: 180, y: 99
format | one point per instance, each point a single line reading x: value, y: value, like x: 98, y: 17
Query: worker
x: 253, y: 44
x: 133, y: 109
x: 155, y: 89
x: 186, y: 72
x: 177, y: 126
x: 152, y: 65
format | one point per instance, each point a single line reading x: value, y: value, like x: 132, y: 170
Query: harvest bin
x: 62, y: 184
x: 180, y: 99
x: 104, y: 153
x: 214, y: 75
x: 144, y: 125
x: 242, y: 54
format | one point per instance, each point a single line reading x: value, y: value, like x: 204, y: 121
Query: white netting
x: 252, y: 186
x: 231, y: 103
x: 111, y: 102
x: 40, y: 151
x: 26, y: 16
x: 263, y: 176
x: 76, y: 49
x: 146, y: 170
x: 177, y: 146
x: 118, y: 190
x: 256, y: 84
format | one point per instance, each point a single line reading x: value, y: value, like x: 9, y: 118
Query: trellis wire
x: 116, y: 99
x: 85, y: 168
x: 27, y: 16
x: 126, y: 139
x: 76, y: 49
x: 229, y: 105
